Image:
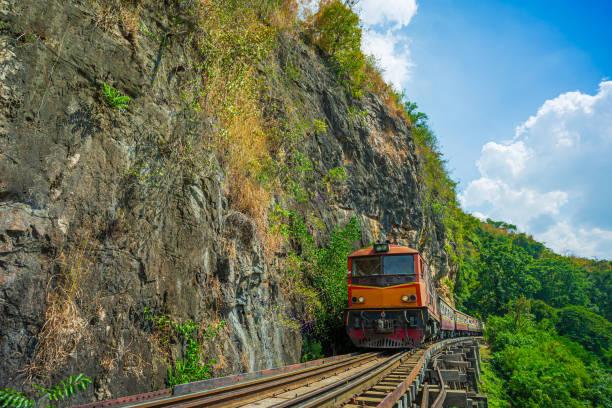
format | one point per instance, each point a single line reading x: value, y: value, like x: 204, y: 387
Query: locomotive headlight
x: 361, y: 299
x: 354, y: 299
x: 413, y: 298
x: 381, y: 247
x: 405, y: 298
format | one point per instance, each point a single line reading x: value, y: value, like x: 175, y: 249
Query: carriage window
x: 399, y: 264
x: 366, y: 266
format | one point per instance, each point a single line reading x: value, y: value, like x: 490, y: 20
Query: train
x: 393, y: 302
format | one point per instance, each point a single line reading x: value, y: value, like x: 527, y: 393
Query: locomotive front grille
x: 386, y: 342
x: 385, y: 328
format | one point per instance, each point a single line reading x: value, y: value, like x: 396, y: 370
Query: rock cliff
x: 97, y: 224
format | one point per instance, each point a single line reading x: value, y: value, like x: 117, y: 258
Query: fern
x: 114, y: 97
x: 12, y: 398
x: 66, y: 389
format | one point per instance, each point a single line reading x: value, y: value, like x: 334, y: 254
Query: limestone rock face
x: 376, y: 148
x: 93, y: 195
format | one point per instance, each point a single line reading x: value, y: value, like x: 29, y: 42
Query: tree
x: 583, y: 326
x: 536, y: 368
x: 502, y: 276
x: 335, y: 29
x: 562, y: 283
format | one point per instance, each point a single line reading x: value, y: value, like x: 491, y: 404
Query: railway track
x: 373, y: 379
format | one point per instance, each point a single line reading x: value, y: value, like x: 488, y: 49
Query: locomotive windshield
x: 390, y: 265
x: 398, y: 264
x: 366, y: 266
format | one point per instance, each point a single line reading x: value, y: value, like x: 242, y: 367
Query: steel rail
x: 249, y: 391
x: 343, y: 390
x: 406, y: 367
x: 340, y: 387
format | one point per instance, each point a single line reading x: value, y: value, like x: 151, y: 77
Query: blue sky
x: 517, y: 94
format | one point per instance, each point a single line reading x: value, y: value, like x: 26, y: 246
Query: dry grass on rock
x: 65, y: 324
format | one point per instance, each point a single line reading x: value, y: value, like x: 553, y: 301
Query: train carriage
x: 461, y: 322
x: 447, y: 316
x: 471, y: 324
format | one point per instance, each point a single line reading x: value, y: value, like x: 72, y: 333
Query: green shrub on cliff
x: 321, y: 273
x: 335, y: 29
x: 114, y: 97
x: 194, y: 366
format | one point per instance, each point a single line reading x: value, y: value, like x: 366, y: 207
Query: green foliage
x: 502, y: 277
x: 194, y: 366
x: 319, y: 126
x: 356, y: 114
x: 114, y: 97
x: 311, y: 350
x: 533, y: 248
x: 502, y: 225
x: 12, y: 398
x: 329, y: 275
x: 591, y: 330
x: 336, y: 174
x: 299, y: 174
x: 543, y: 311
x: 561, y: 281
x: 599, y: 274
x: 551, y: 348
x: 322, y: 271
x: 334, y: 177
x: 64, y: 390
x: 498, y: 265
x: 440, y: 195
x: 493, y: 386
x: 335, y: 29
x: 540, y: 369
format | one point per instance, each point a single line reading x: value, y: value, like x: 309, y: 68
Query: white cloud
x: 558, y: 167
x: 480, y: 216
x: 395, y: 12
x: 514, y: 204
x: 391, y: 55
x: 503, y: 160
x: 569, y: 240
x: 383, y: 38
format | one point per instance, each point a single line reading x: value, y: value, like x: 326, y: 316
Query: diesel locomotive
x: 393, y: 303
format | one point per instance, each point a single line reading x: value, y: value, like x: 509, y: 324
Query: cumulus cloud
x: 499, y: 161
x: 395, y: 12
x: 568, y: 239
x: 513, y: 202
x: 382, y: 37
x: 392, y: 55
x: 556, y: 168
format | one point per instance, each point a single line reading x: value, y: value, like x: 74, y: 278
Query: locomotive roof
x: 393, y: 250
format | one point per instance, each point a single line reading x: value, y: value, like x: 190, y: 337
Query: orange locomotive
x: 392, y: 301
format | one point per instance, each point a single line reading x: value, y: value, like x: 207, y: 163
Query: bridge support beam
x: 452, y: 379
